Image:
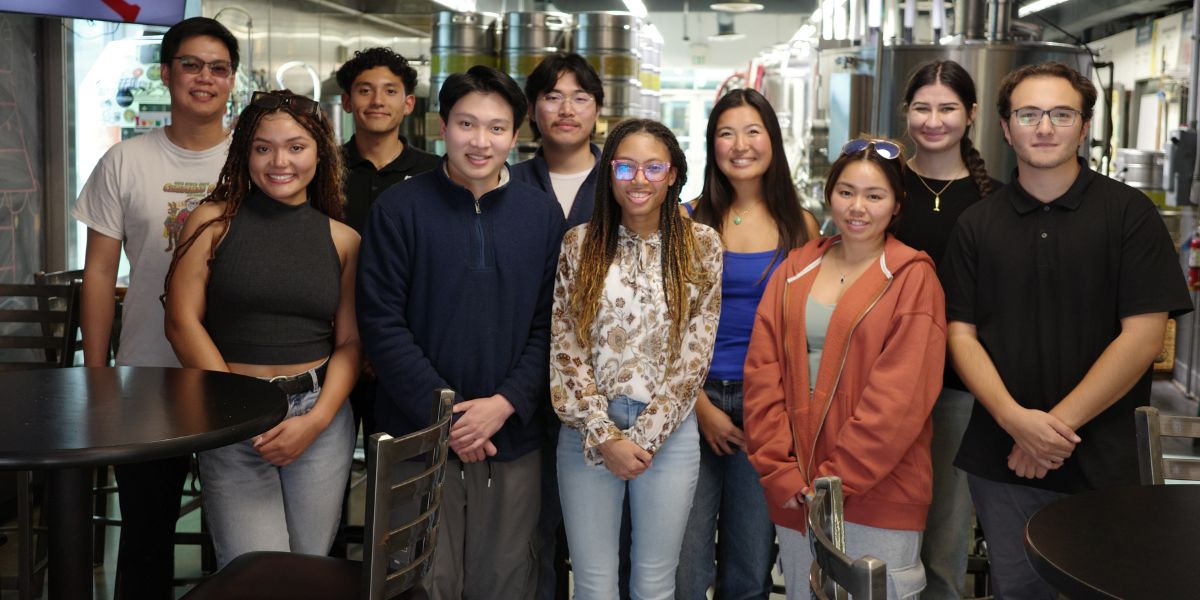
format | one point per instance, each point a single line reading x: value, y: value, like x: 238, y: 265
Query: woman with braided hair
x: 263, y: 285
x: 944, y: 177
x: 636, y: 302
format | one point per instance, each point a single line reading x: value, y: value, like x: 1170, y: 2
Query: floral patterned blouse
x: 630, y: 337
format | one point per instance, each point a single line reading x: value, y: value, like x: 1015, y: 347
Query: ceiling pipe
x: 999, y: 20
x: 335, y: 7
x: 969, y: 18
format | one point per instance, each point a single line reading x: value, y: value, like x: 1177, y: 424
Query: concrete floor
x: 1166, y: 396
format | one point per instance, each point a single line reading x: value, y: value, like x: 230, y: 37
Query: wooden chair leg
x: 24, y: 537
x: 101, y: 478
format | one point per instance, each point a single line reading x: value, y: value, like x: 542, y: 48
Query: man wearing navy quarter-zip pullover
x: 455, y: 284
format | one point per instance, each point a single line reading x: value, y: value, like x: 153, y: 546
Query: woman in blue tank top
x: 749, y: 198
x: 263, y: 286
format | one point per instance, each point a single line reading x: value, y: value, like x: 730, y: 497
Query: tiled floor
x: 1166, y: 396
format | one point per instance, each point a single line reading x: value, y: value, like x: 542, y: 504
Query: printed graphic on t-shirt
x: 178, y: 210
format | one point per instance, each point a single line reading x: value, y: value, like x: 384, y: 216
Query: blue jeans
x: 948, y: 527
x: 730, y: 505
x: 252, y: 505
x: 900, y: 549
x: 659, y: 502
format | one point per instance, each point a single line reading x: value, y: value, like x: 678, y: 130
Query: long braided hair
x: 599, y: 247
x: 955, y: 77
x: 779, y: 194
x: 234, y: 184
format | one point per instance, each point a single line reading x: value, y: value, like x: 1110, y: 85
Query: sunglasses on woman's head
x: 884, y: 148
x: 271, y: 101
x: 626, y: 170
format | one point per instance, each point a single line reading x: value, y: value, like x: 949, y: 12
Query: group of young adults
x: 616, y: 355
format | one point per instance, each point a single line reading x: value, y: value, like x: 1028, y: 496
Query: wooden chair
x: 1155, y: 467
x: 833, y: 573
x: 39, y: 325
x: 401, y: 528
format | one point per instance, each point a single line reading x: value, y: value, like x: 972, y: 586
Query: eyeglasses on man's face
x: 193, y: 65
x: 1059, y: 117
x: 626, y: 170
x: 580, y: 100
x: 272, y: 101
x: 883, y: 148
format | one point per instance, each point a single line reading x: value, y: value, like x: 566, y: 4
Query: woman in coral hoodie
x: 844, y: 365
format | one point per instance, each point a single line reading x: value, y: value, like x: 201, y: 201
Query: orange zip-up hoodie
x: 867, y: 418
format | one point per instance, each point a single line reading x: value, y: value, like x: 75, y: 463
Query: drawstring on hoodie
x: 462, y: 471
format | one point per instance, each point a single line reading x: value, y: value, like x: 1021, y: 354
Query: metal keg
x: 529, y: 37
x: 609, y: 41
x: 651, y: 45
x: 460, y: 41
x: 1141, y: 169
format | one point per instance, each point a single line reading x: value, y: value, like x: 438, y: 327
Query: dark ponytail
x: 975, y: 166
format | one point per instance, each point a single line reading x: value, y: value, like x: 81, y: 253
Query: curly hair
x: 377, y: 57
x: 234, y: 183
x: 955, y: 77
x: 599, y: 246
x: 778, y: 192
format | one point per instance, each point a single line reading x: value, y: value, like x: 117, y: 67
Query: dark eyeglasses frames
x: 193, y: 65
x: 1059, y: 117
x: 626, y: 170
x: 884, y: 148
x: 272, y: 101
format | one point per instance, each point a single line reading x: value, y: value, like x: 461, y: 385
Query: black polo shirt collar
x: 355, y: 160
x: 1024, y: 203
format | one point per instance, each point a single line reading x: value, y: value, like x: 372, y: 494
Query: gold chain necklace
x: 937, y: 196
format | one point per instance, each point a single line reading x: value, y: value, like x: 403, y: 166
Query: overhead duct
x: 970, y: 17
x: 999, y: 21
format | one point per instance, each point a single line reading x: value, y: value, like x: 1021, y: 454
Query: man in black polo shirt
x: 377, y: 89
x: 1058, y: 289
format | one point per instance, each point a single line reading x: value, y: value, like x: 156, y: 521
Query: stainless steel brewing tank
x: 460, y: 40
x: 988, y: 63
x: 610, y: 42
x: 529, y: 37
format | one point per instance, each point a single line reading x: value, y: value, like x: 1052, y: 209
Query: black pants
x: 150, y: 494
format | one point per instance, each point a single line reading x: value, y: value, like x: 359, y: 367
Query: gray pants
x: 948, y: 528
x: 486, y: 543
x: 900, y: 549
x: 1003, y: 510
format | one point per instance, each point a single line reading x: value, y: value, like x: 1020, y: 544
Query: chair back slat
x: 1154, y: 468
x: 834, y: 575
x: 398, y: 548
x: 39, y: 325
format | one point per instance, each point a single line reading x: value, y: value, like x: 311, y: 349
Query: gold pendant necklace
x: 937, y: 196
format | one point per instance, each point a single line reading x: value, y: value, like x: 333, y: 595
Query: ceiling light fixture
x: 740, y: 6
x: 1037, y: 5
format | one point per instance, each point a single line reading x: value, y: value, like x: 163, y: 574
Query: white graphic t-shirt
x: 141, y: 192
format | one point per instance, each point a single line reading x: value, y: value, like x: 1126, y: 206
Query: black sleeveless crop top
x: 274, y: 285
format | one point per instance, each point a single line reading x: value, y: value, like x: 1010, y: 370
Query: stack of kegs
x: 528, y: 38
x: 651, y: 75
x: 460, y: 41
x: 610, y: 42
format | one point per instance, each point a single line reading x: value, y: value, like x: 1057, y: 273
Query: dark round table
x: 1128, y: 542
x: 67, y: 420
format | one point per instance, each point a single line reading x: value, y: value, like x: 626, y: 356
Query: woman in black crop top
x: 263, y: 285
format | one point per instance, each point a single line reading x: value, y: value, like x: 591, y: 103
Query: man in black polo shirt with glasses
x: 1058, y: 290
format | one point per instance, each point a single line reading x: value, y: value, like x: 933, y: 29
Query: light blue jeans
x: 659, y: 502
x: 900, y: 549
x: 731, y: 507
x: 251, y: 504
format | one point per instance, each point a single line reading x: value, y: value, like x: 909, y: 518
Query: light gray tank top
x: 816, y: 324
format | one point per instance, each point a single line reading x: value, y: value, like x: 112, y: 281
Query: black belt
x: 301, y: 383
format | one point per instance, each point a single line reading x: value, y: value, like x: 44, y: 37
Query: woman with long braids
x: 749, y: 199
x: 263, y: 285
x: 944, y: 177
x: 636, y: 302
x: 844, y: 364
